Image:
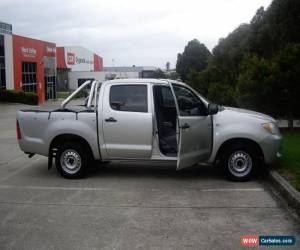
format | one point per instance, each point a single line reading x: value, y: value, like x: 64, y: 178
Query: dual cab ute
x: 149, y: 120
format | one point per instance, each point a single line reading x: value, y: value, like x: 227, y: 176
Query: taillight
x: 19, y: 136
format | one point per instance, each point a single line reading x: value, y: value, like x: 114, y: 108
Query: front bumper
x: 271, y: 147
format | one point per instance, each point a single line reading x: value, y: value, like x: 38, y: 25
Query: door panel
x: 195, y: 127
x: 195, y: 140
x: 127, y: 134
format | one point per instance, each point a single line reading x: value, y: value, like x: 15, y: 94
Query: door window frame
x: 149, y: 110
x: 197, y: 96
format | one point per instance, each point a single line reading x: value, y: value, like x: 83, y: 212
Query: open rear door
x: 195, y: 127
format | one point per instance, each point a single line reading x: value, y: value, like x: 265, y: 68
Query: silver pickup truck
x: 149, y: 120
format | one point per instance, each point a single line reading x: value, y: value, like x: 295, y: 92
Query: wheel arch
x: 70, y: 138
x: 233, y: 141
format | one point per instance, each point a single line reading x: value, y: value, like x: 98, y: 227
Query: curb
x: 286, y: 190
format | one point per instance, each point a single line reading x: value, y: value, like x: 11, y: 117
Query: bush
x: 19, y: 97
x: 63, y: 95
x: 82, y: 94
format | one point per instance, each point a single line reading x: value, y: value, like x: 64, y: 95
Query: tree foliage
x: 168, y: 64
x: 195, y: 56
x: 256, y: 82
x: 158, y: 74
x: 256, y: 66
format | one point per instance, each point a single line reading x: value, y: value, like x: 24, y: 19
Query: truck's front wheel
x: 239, y: 162
x: 71, y: 160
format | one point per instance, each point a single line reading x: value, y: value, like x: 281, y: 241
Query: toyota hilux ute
x: 149, y: 120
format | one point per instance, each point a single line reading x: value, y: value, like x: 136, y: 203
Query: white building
x: 75, y: 65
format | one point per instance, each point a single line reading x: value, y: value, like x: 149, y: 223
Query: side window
x: 167, y: 98
x: 189, y: 104
x: 131, y: 98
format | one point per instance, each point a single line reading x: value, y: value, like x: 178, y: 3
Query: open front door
x: 195, y: 127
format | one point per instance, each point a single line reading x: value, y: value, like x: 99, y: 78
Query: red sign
x: 28, y: 52
x: 51, y: 51
x: 249, y: 240
x: 71, y: 58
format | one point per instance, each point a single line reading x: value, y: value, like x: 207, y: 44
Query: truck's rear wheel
x: 239, y: 162
x: 71, y: 160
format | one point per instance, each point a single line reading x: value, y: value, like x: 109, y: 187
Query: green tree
x: 168, y: 64
x: 273, y: 29
x: 256, y: 85
x: 272, y: 85
x: 201, y: 80
x: 173, y: 75
x: 159, y: 74
x: 195, y: 55
x: 230, y: 52
x: 221, y: 93
x: 288, y: 61
x: 256, y: 66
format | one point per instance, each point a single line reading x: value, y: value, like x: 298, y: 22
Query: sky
x: 132, y: 32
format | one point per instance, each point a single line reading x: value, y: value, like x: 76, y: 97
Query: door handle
x: 185, y: 126
x: 110, y: 119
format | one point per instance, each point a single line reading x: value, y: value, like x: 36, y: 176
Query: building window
x: 5, y: 28
x: 83, y: 80
x: 2, y: 64
x: 29, y: 77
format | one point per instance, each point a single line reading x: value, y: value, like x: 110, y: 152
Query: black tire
x: 72, y: 160
x: 239, y: 161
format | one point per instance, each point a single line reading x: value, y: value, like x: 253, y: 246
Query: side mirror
x: 212, y: 109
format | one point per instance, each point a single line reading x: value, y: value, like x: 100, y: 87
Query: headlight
x: 270, y: 127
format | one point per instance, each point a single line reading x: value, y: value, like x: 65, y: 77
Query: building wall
x: 77, y: 63
x: 62, y: 80
x: 31, y: 50
x: 98, y: 63
x: 52, y: 64
x: 121, y: 75
x: 77, y: 58
x: 73, y: 77
x: 8, y: 61
x: 100, y: 76
x: 60, y: 58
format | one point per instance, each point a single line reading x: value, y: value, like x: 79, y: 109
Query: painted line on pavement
x: 232, y: 189
x: 132, y: 206
x: 13, y: 173
x: 53, y: 188
x: 104, y: 189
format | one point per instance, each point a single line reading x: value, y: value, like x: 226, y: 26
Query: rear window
x: 132, y: 98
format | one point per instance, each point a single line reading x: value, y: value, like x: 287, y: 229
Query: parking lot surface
x: 129, y: 206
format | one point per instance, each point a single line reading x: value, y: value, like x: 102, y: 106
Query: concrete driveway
x: 121, y: 206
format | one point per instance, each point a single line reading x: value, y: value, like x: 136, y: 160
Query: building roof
x: 129, y: 69
x: 144, y: 80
